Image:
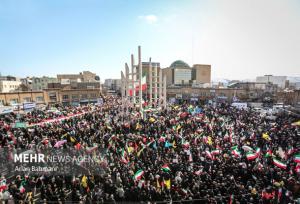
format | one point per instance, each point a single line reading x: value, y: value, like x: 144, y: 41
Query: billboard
x: 239, y: 105
x: 28, y: 105
x: 6, y: 109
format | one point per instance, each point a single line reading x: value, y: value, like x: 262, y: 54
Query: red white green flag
x: 297, y: 158
x: 269, y: 153
x: 290, y: 150
x: 138, y: 175
x: 124, y: 157
x: 231, y: 199
x: 3, y: 185
x: 257, y: 151
x: 21, y: 188
x: 279, y: 164
x: 247, y: 148
x: 251, y: 156
x: 165, y: 168
x: 208, y: 154
x: 236, y: 152
x: 297, y: 168
x: 215, y: 152
x: 137, y: 86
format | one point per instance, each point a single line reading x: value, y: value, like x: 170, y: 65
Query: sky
x: 241, y: 39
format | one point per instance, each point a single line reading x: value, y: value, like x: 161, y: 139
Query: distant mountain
x: 226, y: 81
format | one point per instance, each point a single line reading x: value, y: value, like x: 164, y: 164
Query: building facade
x: 51, y: 96
x: 280, y: 81
x: 113, y: 84
x: 85, y: 76
x: 203, y: 73
x: 197, y: 94
x: 290, y: 97
x: 72, y: 96
x: 40, y: 83
x: 181, y: 74
x: 9, y: 86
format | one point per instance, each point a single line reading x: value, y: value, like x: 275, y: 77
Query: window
x: 27, y: 99
x: 182, y: 76
x: 65, y: 97
x: 14, y: 101
x: 52, y: 96
x: 39, y: 98
x: 84, y: 96
x: 93, y: 95
x: 74, y: 96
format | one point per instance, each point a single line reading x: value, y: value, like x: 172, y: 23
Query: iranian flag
x: 208, y: 154
x: 3, y: 185
x: 138, y: 175
x: 257, y: 151
x: 235, y: 151
x: 137, y: 86
x: 279, y: 164
x: 251, y: 156
x: 269, y: 153
x: 215, y: 152
x: 124, y: 157
x: 297, y: 168
x: 247, y: 148
x: 279, y: 195
x: 22, y: 189
x: 297, y: 158
x: 165, y: 168
x: 290, y: 150
x: 231, y: 199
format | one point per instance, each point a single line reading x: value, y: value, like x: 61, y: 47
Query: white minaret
x: 126, y: 86
x: 160, y: 89
x: 140, y: 77
x: 155, y: 84
x: 133, y: 69
x: 123, y: 82
x: 127, y: 80
x: 150, y: 82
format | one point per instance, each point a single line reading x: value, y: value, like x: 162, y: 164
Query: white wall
x: 8, y: 86
x: 279, y: 80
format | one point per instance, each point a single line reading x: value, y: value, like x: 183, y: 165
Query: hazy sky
x: 239, y: 38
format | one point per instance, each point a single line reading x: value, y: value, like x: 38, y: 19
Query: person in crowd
x: 212, y: 154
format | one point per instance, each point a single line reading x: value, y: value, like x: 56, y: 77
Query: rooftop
x: 179, y: 64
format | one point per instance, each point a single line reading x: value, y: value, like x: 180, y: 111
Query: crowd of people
x: 182, y: 154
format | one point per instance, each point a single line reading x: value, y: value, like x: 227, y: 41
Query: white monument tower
x: 132, y: 82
